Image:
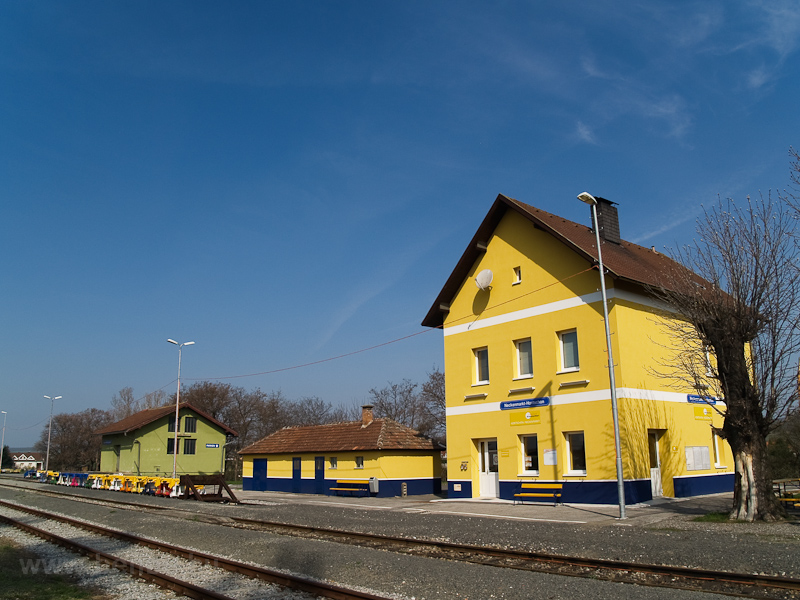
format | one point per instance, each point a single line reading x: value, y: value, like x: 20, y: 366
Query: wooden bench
x: 790, y: 501
x: 530, y: 490
x: 351, y: 486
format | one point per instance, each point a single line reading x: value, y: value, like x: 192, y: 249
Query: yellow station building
x: 526, y: 368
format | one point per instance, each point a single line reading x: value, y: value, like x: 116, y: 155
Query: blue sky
x: 284, y: 182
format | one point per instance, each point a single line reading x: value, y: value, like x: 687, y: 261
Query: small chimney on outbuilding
x: 366, y: 415
x: 607, y: 220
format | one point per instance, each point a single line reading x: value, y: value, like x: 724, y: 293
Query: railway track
x: 116, y: 558
x: 722, y: 582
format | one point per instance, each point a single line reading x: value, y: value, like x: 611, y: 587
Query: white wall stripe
x: 552, y: 307
x: 578, y: 397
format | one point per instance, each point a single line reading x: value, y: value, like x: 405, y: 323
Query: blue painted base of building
x: 387, y: 488
x: 605, y: 492
x: 703, y: 484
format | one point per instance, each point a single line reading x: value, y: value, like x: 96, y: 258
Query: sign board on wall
x: 525, y: 417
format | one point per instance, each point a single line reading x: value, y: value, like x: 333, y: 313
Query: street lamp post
x: 3, y: 439
x: 177, y: 408
x: 592, y: 201
x: 49, y: 431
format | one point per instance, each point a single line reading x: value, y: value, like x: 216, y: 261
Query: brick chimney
x: 607, y: 220
x: 366, y: 415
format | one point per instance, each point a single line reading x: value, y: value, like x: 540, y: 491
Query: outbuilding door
x: 489, y: 475
x: 319, y: 474
x: 296, y: 474
x: 260, y: 474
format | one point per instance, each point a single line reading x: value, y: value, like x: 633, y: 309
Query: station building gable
x: 526, y: 366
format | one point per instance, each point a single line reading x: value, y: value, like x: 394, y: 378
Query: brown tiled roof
x: 625, y: 261
x: 145, y: 417
x: 27, y: 455
x: 380, y: 434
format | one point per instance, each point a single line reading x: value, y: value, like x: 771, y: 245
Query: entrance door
x: 319, y: 474
x: 489, y: 477
x: 296, y: 474
x: 655, y: 464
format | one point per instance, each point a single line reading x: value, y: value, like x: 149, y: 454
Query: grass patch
x: 713, y: 517
x: 18, y: 584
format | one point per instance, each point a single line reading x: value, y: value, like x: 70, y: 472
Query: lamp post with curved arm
x: 49, y: 431
x: 592, y: 201
x: 177, y: 408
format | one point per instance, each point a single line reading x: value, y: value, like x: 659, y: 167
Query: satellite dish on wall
x: 484, y: 279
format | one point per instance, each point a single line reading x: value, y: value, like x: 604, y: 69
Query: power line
x: 394, y: 341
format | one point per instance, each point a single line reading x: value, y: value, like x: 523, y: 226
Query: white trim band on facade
x: 578, y: 397
x: 552, y: 307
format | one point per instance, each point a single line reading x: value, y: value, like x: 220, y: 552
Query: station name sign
x: 212, y: 445
x: 695, y: 399
x: 515, y: 404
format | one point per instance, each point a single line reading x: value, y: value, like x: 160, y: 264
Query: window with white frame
x: 576, y: 453
x: 530, y: 454
x: 716, y: 441
x: 359, y: 462
x: 481, y: 365
x: 568, y: 342
x: 709, y: 364
x: 524, y: 358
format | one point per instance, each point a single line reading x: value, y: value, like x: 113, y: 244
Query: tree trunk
x: 745, y: 429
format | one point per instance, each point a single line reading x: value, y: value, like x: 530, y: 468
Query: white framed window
x: 333, y: 462
x: 359, y: 462
x: 697, y: 458
x: 530, y: 454
x: 576, y: 453
x: 709, y: 364
x: 524, y: 358
x: 481, y: 365
x: 716, y: 441
x: 568, y: 344
x: 517, y: 276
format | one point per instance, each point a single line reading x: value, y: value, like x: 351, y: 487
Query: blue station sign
x: 212, y: 445
x: 528, y: 403
x: 695, y: 399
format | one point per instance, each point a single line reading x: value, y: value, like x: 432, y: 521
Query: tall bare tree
x: 401, y: 402
x: 737, y: 333
x: 73, y: 445
x: 434, y: 404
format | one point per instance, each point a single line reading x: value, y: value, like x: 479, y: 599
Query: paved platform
x: 637, y: 514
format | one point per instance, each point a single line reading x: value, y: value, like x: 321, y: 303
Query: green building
x: 142, y: 444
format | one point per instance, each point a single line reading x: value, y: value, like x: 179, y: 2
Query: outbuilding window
x: 189, y: 446
x: 359, y: 462
x: 334, y: 462
x: 190, y: 424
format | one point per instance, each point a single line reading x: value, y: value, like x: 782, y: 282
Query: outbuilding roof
x: 379, y: 434
x: 147, y: 416
x: 624, y: 261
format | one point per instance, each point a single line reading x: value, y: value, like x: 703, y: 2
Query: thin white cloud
x: 584, y: 133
